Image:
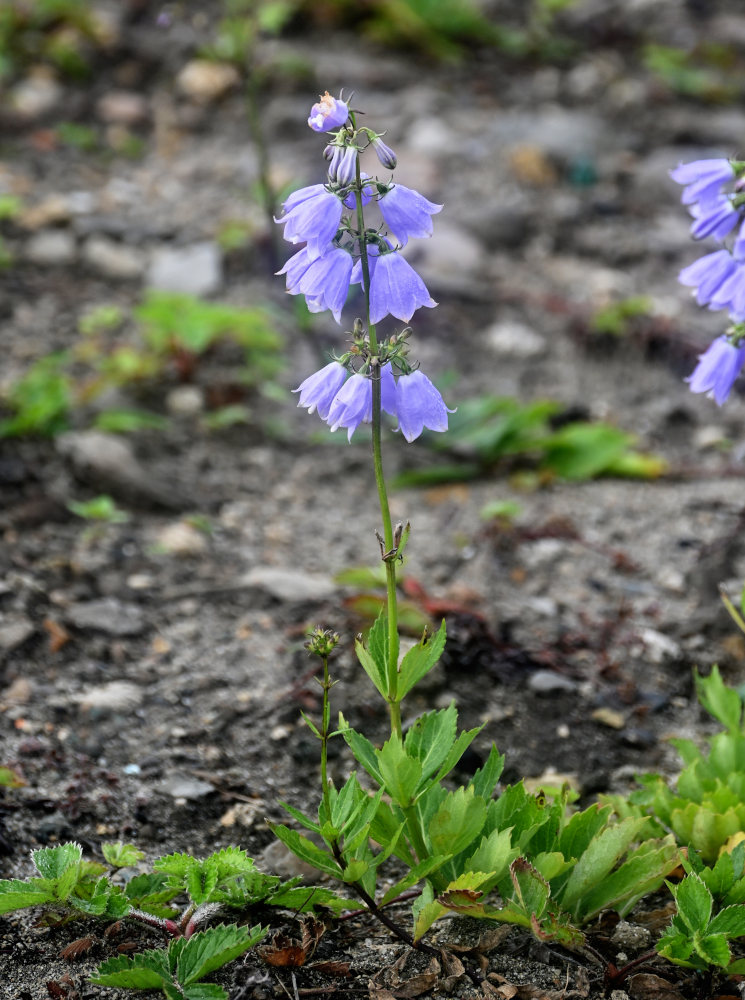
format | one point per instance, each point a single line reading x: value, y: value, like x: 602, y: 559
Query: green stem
x: 325, y: 720
x: 394, y: 702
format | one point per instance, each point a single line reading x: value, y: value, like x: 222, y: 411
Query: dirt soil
x: 152, y: 674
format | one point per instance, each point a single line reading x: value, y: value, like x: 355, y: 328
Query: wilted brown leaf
x: 283, y: 951
x: 58, y: 634
x: 392, y: 982
x: 330, y: 968
x: 77, y: 948
x: 645, y: 986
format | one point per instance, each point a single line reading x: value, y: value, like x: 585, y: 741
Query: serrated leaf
x: 713, y: 948
x: 729, y: 921
x: 457, y: 822
x: 419, y: 660
x: 363, y: 750
x: 642, y: 873
x: 531, y: 889
x: 201, y: 880
x: 372, y: 668
x: 399, y: 772
x: 302, y: 819
x: 599, y: 858
x: 721, y: 701
x: 484, y: 781
x: 121, y: 855
x: 174, y: 864
x: 53, y: 862
x: 105, y: 900
x: 305, y: 849
x: 204, y: 991
x: 209, y: 950
x: 694, y: 903
x: 17, y: 895
x: 147, y: 971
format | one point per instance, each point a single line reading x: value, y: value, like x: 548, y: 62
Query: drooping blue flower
x: 352, y: 404
x: 420, y: 405
x: 328, y: 113
x: 708, y: 273
x: 730, y: 294
x: 716, y: 218
x: 312, y: 216
x: 346, y: 168
x: 717, y: 369
x: 407, y: 213
x: 703, y: 179
x: 318, y: 390
x: 384, y: 153
x: 324, y: 281
x: 395, y: 287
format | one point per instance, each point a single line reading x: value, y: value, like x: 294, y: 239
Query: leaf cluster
x: 490, y: 429
x: 707, y: 805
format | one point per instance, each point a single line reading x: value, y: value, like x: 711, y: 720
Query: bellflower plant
x: 719, y: 277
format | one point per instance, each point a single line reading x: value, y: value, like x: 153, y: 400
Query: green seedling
x: 101, y: 508
x: 617, y: 319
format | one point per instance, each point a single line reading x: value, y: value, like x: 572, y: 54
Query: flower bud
x: 384, y: 153
x: 346, y: 169
x: 322, y: 641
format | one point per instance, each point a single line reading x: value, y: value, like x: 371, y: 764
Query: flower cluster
x: 340, y: 251
x: 718, y: 278
x: 347, y: 402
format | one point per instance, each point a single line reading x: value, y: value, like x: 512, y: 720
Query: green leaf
x: 729, y: 921
x: 204, y: 991
x: 642, y: 873
x: 105, y: 900
x: 302, y: 819
x: 419, y: 660
x: 53, y: 862
x: 374, y: 670
x: 416, y: 874
x: 457, y: 822
x: 306, y: 898
x: 722, y: 702
x: 694, y: 903
x: 306, y: 850
x: 363, y: 750
x: 485, y: 779
x: 175, y: 864
x: 713, y: 948
x: 598, y: 859
x: 121, y: 855
x: 399, y: 772
x: 494, y: 854
x: 583, y: 450
x: 17, y: 895
x: 531, y: 889
x: 147, y: 971
x: 678, y: 948
x: 208, y: 950
x: 201, y: 881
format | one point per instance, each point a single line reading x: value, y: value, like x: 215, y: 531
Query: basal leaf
x: 306, y: 850
x: 53, y: 862
x: 642, y: 873
x: 209, y: 950
x: 531, y: 889
x: 729, y: 921
x: 121, y: 855
x: 204, y: 991
x: 147, y: 971
x: 713, y: 948
x: 719, y: 700
x: 17, y: 895
x: 484, y: 781
x: 494, y: 854
x: 457, y: 822
x: 599, y: 859
x: 694, y: 903
x: 201, y: 880
x: 400, y: 773
x: 174, y: 864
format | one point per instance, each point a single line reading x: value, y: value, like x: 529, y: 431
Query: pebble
x: 107, y: 615
x: 659, y: 648
x: 289, y: 584
x: 279, y: 860
x: 119, y: 696
x: 185, y: 401
x: 112, y: 259
x: 181, y: 786
x: 14, y: 631
x: 514, y: 340
x: 549, y: 682
x: 51, y: 248
x: 205, y: 81
x: 609, y: 717
x: 122, y: 107
x: 19, y: 692
x: 196, y: 269
x: 243, y: 814
x: 181, y: 539
x: 630, y: 937
x: 38, y: 94
x: 50, y: 211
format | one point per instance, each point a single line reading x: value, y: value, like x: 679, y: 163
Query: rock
x: 196, y: 269
x: 108, y: 463
x: 112, y: 259
x: 290, y: 585
x: 185, y: 401
x: 610, y: 718
x: 205, y: 81
x: 549, y: 682
x: 38, y: 94
x: 514, y: 340
x: 181, y: 539
x: 14, y: 631
x: 19, y: 692
x: 117, y: 696
x: 106, y: 615
x: 280, y: 860
x: 51, y: 248
x: 122, y: 107
x: 50, y: 211
x: 181, y: 786
x: 659, y: 648
x: 630, y: 937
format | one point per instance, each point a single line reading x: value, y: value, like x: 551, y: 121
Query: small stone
x: 672, y: 580
x: 709, y: 437
x: 514, y: 340
x: 181, y: 539
x: 196, y: 269
x: 185, y: 401
x: 549, y: 682
x: 279, y: 733
x: 107, y: 615
x: 51, y: 211
x: 118, y: 696
x: 609, y: 717
x: 51, y: 248
x: 112, y: 259
x: 290, y: 585
x: 122, y: 107
x: 243, y: 814
x: 140, y: 581
x: 14, y: 631
x: 659, y: 648
x: 630, y: 937
x: 531, y: 166
x: 563, y: 731
x: 205, y: 81
x: 184, y: 787
x: 18, y: 692
x: 36, y: 95
x: 279, y: 860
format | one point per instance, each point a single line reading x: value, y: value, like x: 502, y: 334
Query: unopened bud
x: 346, y: 167
x: 384, y: 153
x: 322, y: 641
